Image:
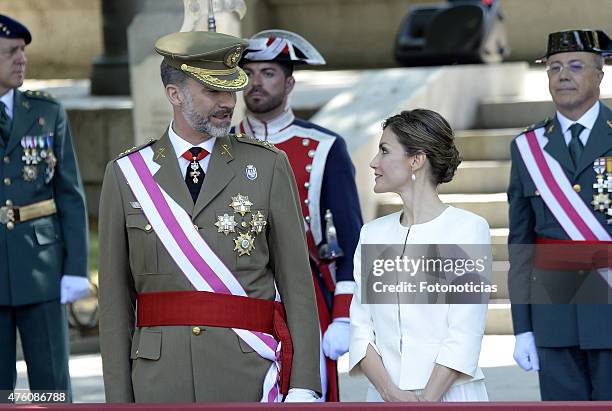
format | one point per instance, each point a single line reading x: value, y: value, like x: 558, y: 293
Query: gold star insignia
x: 241, y: 204
x: 244, y: 244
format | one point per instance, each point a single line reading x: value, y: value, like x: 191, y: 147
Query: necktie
x: 5, y: 122
x: 194, y: 175
x: 575, y: 145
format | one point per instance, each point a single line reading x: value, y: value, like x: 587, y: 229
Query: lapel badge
x: 160, y: 153
x: 258, y: 222
x: 226, y: 224
x: 610, y: 123
x: 244, y: 244
x: 251, y: 172
x: 241, y: 204
x: 551, y: 128
x: 225, y: 150
x: 25, y: 105
x: 29, y: 173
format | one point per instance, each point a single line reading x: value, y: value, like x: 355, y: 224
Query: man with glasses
x: 559, y: 202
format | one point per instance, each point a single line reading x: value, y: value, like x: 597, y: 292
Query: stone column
x: 110, y: 74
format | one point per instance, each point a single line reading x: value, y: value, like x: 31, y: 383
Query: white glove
x: 73, y: 287
x: 301, y: 395
x: 336, y: 338
x: 525, y: 353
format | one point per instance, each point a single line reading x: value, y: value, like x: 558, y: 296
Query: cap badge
x: 232, y: 58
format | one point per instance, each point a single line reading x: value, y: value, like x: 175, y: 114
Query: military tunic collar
x: 267, y: 130
x: 587, y: 120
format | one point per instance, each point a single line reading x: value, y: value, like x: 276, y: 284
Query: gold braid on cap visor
x: 208, y: 76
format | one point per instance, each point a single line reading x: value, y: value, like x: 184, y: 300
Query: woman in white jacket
x: 418, y: 352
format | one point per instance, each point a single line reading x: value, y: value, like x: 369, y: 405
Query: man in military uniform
x: 325, y: 178
x: 43, y: 223
x: 200, y: 232
x: 559, y: 202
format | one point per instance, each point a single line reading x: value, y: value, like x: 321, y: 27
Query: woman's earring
x: 413, y: 177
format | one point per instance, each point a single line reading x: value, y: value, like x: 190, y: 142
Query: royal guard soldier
x: 205, y: 288
x: 560, y: 227
x: 43, y: 224
x: 325, y: 179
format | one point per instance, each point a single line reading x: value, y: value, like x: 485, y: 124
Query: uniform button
x: 7, y: 181
x: 148, y: 227
x: 10, y: 225
x: 537, y: 193
x: 243, y: 224
x: 305, y: 142
x: 307, y: 184
x: 6, y: 159
x: 309, y: 167
x: 307, y: 218
x: 196, y: 227
x: 307, y: 201
x: 196, y: 330
x: 577, y: 188
x: 9, y: 203
x: 311, y: 153
x: 137, y: 353
x: 580, y: 272
x: 533, y: 278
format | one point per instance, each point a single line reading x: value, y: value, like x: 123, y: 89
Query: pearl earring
x: 413, y: 177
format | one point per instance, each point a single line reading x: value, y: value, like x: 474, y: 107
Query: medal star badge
x: 241, y: 204
x: 226, y: 224
x: 244, y: 244
x: 29, y: 173
x: 258, y: 222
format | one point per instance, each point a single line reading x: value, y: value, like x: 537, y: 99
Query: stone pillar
x: 110, y: 74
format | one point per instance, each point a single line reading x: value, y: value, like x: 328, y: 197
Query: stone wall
x: 66, y: 35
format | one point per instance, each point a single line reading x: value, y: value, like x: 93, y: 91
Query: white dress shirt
x: 412, y: 338
x: 8, y: 99
x: 180, y: 146
x: 587, y: 121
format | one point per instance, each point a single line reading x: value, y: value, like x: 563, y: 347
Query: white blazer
x: 446, y: 334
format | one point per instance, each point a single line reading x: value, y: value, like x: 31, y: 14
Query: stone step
x: 515, y: 112
x: 477, y: 145
x: 492, y: 207
x: 499, y: 318
x: 479, y: 177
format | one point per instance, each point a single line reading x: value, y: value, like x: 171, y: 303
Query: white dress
x: 429, y: 334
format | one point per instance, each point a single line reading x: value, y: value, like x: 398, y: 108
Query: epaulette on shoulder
x: 135, y: 148
x: 40, y: 95
x: 539, y: 124
x: 245, y: 138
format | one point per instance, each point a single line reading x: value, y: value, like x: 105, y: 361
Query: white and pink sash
x: 572, y: 213
x: 203, y: 268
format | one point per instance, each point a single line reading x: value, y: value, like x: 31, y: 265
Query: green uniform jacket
x: 36, y: 253
x: 174, y: 363
x: 556, y: 325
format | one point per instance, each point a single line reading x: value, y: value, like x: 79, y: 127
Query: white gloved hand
x: 73, y: 287
x: 301, y: 395
x: 525, y: 353
x: 336, y: 338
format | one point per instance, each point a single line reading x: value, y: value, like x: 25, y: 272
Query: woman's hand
x: 394, y: 394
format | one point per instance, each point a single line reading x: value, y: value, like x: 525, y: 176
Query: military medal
x: 50, y: 158
x: 258, y: 222
x: 226, y: 224
x: 195, y: 170
x: 241, y: 204
x: 29, y: 173
x: 244, y: 244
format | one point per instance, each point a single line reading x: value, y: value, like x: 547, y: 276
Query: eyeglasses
x: 575, y: 67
